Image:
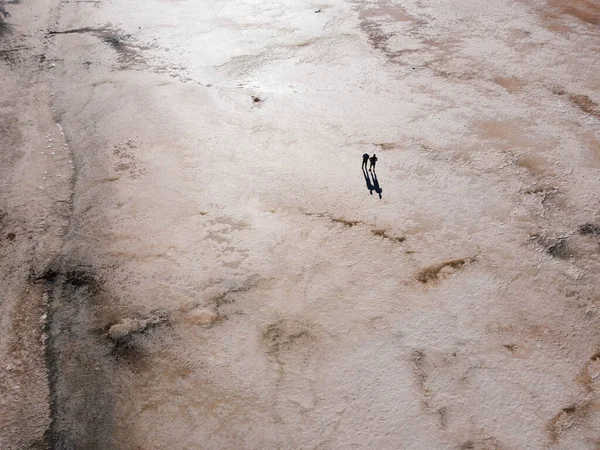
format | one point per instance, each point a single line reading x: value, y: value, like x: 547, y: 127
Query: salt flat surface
x: 225, y: 276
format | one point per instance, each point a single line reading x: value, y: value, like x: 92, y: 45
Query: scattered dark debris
x: 559, y: 249
x: 79, y: 278
x: 75, y: 278
x: 223, y: 299
x: 433, y: 272
x: 318, y: 11
x: 256, y: 99
x: 11, y: 236
x: 384, y: 234
x: 348, y: 223
x: 115, y: 41
x: 590, y: 228
x: 555, y: 247
x: 87, y: 64
x: 511, y: 347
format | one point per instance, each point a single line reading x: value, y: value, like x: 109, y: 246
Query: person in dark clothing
x: 365, y: 161
x: 373, y: 160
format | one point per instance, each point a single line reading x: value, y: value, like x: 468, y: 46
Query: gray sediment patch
x: 80, y: 369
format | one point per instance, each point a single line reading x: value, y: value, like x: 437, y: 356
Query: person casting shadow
x: 373, y: 160
x: 370, y: 187
x: 376, y: 186
x: 365, y: 161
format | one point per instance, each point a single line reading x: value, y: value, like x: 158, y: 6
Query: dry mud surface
x: 190, y: 257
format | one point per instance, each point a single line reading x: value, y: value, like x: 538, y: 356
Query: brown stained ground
x: 587, y: 11
x: 571, y: 417
x: 590, y: 373
x: 432, y: 273
x: 345, y: 222
x: 386, y: 235
x: 506, y: 134
x: 511, y: 84
x: 586, y: 104
x: 591, y: 143
x: 373, y: 18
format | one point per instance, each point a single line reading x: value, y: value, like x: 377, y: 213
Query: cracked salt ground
x: 213, y: 273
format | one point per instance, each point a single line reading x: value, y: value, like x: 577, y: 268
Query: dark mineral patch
x: 590, y: 229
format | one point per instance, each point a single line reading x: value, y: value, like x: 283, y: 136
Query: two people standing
x: 374, y: 185
x: 372, y: 159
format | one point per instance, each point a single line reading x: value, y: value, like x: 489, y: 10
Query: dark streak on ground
x: 384, y: 234
x: 346, y: 222
x: 129, y: 52
x: 81, y: 373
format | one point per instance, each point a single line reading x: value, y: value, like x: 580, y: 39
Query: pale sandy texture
x: 216, y: 150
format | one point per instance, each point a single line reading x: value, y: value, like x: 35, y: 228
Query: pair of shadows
x: 372, y: 182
